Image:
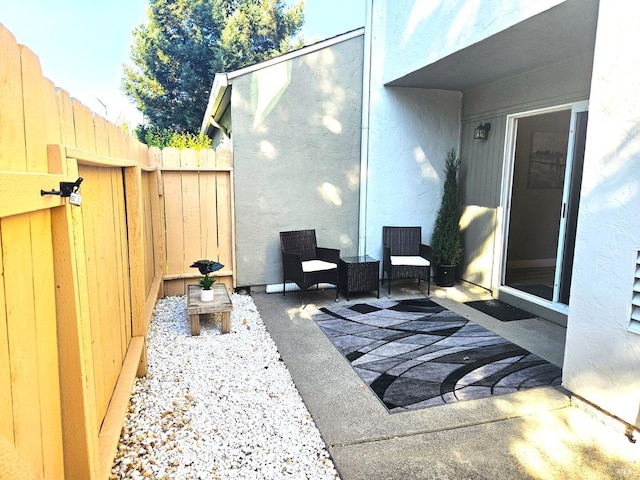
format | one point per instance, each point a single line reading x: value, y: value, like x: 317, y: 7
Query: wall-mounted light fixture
x: 482, y: 131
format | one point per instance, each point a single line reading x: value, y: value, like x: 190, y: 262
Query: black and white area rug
x: 416, y: 354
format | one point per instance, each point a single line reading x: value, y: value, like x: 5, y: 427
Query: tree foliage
x: 446, y: 239
x: 177, y: 52
x: 161, y: 138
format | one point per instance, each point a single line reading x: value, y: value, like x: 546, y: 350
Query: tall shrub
x: 446, y: 239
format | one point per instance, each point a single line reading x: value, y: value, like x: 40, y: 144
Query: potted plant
x: 446, y: 239
x: 205, y: 267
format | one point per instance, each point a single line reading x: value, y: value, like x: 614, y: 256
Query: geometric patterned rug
x: 416, y: 354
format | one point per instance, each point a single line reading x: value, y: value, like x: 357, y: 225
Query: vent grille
x: 634, y: 326
x: 292, y: 287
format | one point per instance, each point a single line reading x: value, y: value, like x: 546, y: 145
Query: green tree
x: 176, y: 53
x: 446, y: 238
x: 155, y: 137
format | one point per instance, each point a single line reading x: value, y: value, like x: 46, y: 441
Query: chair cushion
x: 317, y: 266
x: 409, y: 260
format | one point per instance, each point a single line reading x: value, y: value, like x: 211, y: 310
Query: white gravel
x: 217, y: 406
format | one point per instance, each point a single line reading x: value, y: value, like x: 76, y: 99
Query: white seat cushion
x: 409, y: 260
x: 317, y: 266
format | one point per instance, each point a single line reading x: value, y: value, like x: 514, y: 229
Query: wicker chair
x: 405, y: 256
x: 306, y: 264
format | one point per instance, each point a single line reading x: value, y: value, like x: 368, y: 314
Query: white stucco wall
x: 410, y: 131
x: 409, y: 134
x: 602, y: 358
x: 296, y: 144
x: 417, y: 33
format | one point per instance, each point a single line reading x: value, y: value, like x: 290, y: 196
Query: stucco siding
x: 296, y: 142
x: 410, y: 132
x: 602, y: 358
x: 419, y: 33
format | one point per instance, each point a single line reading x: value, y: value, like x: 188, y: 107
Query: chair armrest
x: 292, y: 262
x: 426, y: 252
x: 328, y: 254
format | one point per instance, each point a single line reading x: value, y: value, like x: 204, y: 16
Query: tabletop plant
x: 206, y: 267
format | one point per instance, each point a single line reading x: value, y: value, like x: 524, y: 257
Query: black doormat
x: 416, y: 354
x: 500, y: 310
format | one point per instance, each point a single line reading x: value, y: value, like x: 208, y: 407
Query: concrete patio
x: 534, y: 434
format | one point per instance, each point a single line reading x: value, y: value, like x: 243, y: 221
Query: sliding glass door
x: 546, y: 152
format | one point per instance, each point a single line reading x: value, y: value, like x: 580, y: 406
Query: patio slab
x: 527, y: 434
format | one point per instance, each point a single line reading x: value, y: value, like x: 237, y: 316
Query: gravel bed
x: 217, y: 406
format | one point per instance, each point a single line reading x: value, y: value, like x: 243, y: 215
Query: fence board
x: 102, y: 136
x: 193, y: 249
x: 123, y: 306
x: 33, y: 98
x: 135, y: 219
x: 65, y: 117
x: 42, y: 288
x: 46, y: 342
x: 12, y: 147
x: 22, y: 338
x: 6, y: 404
x: 49, y: 110
x: 84, y: 127
x: 172, y: 202
x: 147, y: 179
x: 208, y: 203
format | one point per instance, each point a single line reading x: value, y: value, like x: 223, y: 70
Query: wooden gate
x: 77, y: 283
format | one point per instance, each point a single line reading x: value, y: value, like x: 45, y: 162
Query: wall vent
x: 292, y: 287
x: 634, y: 326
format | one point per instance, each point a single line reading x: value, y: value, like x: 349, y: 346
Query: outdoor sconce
x: 482, y: 131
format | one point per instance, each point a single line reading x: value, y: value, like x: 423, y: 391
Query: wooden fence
x: 198, y: 205
x: 78, y: 284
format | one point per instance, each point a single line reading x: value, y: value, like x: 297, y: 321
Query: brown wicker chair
x: 405, y: 256
x: 306, y: 264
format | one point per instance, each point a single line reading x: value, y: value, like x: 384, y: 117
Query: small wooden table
x: 221, y: 304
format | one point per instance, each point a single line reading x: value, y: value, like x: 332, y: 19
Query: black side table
x: 359, y: 274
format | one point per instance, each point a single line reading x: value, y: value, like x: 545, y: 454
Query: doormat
x: 499, y: 310
x: 415, y: 354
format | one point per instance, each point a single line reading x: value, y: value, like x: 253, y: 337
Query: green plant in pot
x: 446, y: 239
x: 206, y: 267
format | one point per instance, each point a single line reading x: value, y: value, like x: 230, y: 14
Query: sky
x: 83, y: 44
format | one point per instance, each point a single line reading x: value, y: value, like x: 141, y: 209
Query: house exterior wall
x: 418, y: 33
x: 296, y: 141
x: 602, y: 357
x: 482, y: 162
x: 409, y: 133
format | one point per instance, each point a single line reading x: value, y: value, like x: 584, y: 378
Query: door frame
x: 506, y: 190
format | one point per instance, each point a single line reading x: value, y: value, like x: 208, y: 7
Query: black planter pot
x: 445, y: 275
